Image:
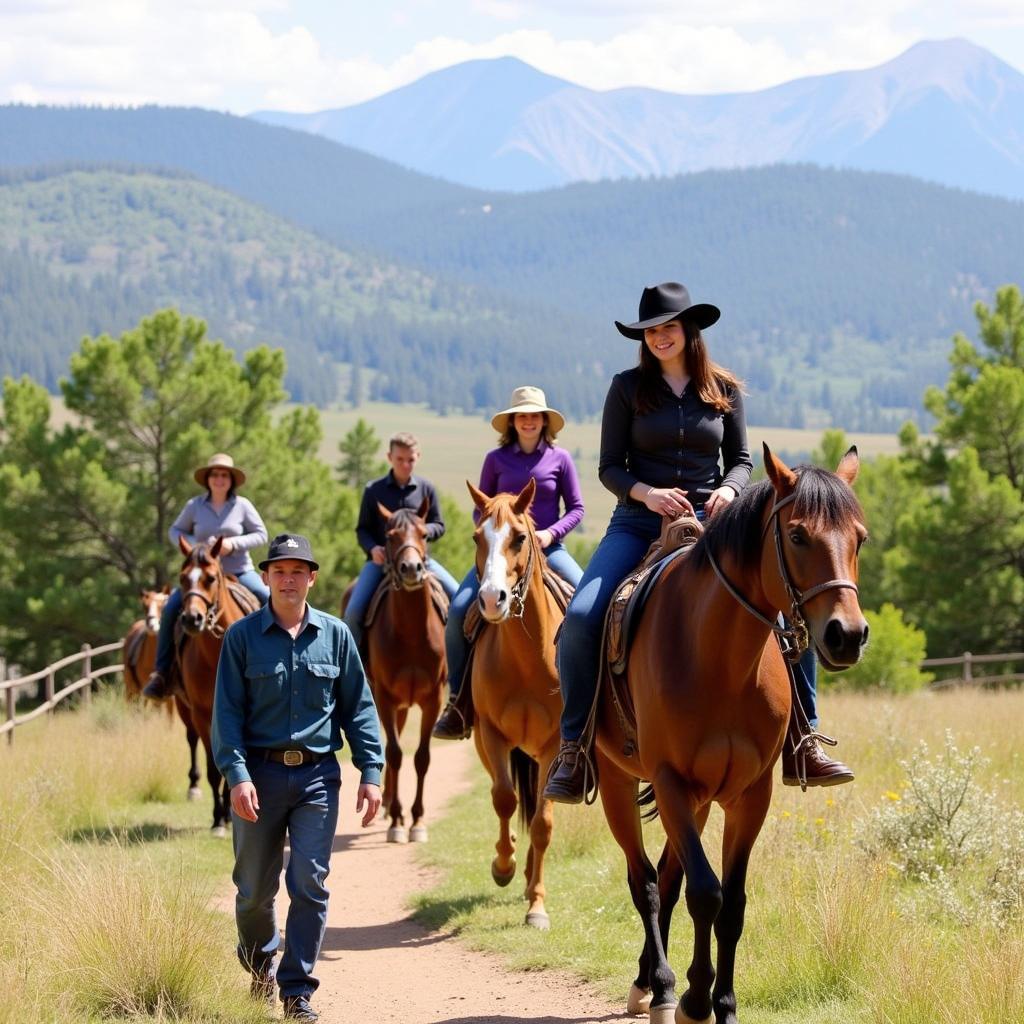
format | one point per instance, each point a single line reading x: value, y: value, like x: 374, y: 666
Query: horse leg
x: 743, y: 821
x: 221, y: 801
x: 680, y: 814
x: 393, y: 758
x: 494, y: 752
x: 654, y: 987
x: 428, y: 716
x: 541, y: 828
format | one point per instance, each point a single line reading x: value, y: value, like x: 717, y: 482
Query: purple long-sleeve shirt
x: 508, y: 469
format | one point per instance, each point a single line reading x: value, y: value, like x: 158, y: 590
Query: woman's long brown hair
x: 710, y: 380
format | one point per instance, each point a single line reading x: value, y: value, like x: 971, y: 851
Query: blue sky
x: 312, y: 54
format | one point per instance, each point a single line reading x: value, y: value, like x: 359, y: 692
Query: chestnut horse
x: 711, y: 695
x: 406, y: 662
x: 515, y: 683
x: 208, y: 607
x: 139, y: 659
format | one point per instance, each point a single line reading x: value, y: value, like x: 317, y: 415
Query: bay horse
x: 712, y: 695
x: 406, y: 662
x: 140, y: 658
x: 515, y: 683
x: 208, y: 607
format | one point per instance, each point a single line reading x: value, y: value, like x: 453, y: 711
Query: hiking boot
x: 451, y: 725
x: 821, y: 769
x: 263, y: 986
x: 298, y: 1008
x: 567, y: 780
x: 156, y: 687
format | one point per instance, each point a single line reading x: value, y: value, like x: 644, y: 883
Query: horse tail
x: 525, y: 776
x: 646, y: 799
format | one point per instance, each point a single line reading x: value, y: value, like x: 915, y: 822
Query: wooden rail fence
x: 52, y: 695
x: 967, y: 675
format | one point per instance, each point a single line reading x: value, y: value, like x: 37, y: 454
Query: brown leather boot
x: 570, y: 774
x: 820, y: 769
x: 451, y: 725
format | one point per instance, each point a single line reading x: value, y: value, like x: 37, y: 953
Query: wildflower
x: 892, y: 795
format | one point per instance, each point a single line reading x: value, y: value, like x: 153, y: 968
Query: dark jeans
x: 454, y: 636
x: 302, y: 803
x: 251, y: 580
x: 805, y: 671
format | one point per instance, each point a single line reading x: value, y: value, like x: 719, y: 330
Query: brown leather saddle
x: 437, y: 595
x: 623, y: 617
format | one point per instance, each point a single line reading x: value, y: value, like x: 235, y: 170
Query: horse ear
x: 479, y: 498
x: 782, y: 477
x: 215, y: 547
x: 142, y: 594
x: 849, y: 466
x: 385, y: 512
x: 525, y: 497
x: 424, y: 508
x: 186, y: 548
x: 165, y: 589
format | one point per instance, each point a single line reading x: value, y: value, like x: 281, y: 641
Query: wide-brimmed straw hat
x: 219, y: 461
x: 528, y: 399
x: 663, y: 302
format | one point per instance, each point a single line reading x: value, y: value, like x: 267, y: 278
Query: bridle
x: 796, y: 634
x: 518, y: 591
x: 213, y: 607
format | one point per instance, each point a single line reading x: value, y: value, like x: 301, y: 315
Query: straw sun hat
x: 219, y: 461
x: 528, y: 399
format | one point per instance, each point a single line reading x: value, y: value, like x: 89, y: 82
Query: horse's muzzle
x: 843, y: 643
x: 192, y: 623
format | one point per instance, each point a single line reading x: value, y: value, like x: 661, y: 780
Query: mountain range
x: 945, y: 111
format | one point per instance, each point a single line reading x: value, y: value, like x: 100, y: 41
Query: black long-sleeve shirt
x: 370, y: 530
x: 678, y: 444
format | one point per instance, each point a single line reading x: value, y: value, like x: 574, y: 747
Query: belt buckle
x: 293, y: 758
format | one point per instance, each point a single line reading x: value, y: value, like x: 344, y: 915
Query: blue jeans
x: 454, y: 636
x: 302, y: 802
x: 366, y: 585
x: 630, y: 532
x: 251, y: 580
x: 805, y: 671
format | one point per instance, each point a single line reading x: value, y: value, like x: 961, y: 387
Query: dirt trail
x: 379, y: 965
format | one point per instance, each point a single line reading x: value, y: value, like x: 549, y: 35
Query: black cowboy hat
x: 663, y: 302
x: 290, y: 546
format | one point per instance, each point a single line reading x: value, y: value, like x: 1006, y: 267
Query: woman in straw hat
x: 220, y: 512
x: 528, y: 428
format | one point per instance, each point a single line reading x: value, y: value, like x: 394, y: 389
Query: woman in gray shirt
x: 220, y: 512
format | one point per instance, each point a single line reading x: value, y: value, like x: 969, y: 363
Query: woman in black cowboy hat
x: 673, y: 440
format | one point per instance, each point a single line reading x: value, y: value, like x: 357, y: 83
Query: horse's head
x: 506, y: 550
x: 201, y: 580
x: 153, y: 602
x: 406, y: 544
x: 811, y: 564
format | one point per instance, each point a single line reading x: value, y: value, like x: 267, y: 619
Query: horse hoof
x: 500, y: 878
x: 681, y: 1017
x: 218, y: 831
x: 539, y: 920
x: 418, y: 834
x: 397, y: 834
x: 194, y: 793
x: 638, y: 1003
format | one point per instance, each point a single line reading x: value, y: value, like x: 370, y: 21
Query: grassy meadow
x: 833, y: 933
x: 108, y: 875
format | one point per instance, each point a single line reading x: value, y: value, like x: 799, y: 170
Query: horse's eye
x: 797, y: 538
x: 519, y: 541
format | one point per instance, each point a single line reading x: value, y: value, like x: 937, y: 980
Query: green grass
x: 828, y: 937
x: 108, y: 877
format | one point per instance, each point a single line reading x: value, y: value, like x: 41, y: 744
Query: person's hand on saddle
x: 668, y: 501
x: 226, y: 544
x: 378, y: 555
x: 244, y: 801
x: 718, y: 499
x: 545, y: 539
x: 369, y: 794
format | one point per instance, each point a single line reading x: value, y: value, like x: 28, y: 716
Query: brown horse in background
x: 515, y: 683
x: 139, y: 660
x: 405, y: 660
x: 711, y: 696
x: 208, y: 607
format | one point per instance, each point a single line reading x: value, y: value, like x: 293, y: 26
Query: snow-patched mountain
x: 947, y: 111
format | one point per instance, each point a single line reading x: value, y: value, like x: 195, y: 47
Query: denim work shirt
x: 302, y: 694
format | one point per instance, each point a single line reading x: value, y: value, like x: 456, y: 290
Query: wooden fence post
x: 968, y: 672
x: 50, y: 688
x: 87, y: 691
x: 9, y: 702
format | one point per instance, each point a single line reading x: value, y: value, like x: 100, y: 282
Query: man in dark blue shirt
x: 289, y: 684
x: 397, y: 489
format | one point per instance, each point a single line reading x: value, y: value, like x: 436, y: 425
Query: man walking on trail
x: 289, y: 683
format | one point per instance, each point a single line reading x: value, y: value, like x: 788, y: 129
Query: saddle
x: 623, y: 617
x: 437, y: 595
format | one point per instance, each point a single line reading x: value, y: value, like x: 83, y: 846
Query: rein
x: 517, y: 592
x: 796, y: 634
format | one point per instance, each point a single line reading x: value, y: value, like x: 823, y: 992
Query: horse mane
x: 821, y: 498
x: 402, y: 518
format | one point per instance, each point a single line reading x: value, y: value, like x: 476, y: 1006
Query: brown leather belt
x: 292, y: 758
